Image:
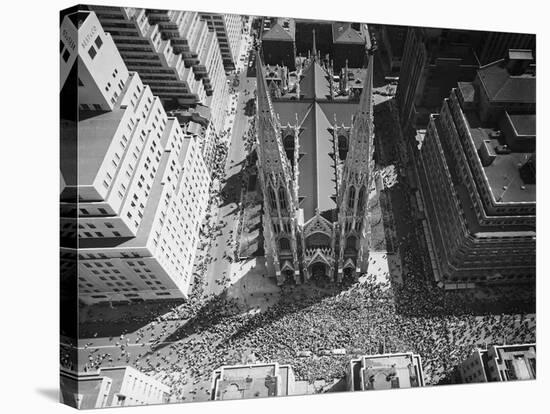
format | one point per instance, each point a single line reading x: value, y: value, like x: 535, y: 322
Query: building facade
x: 174, y: 53
x: 500, y: 363
x: 315, y: 167
x: 476, y: 169
x: 229, y: 29
x: 434, y: 60
x: 379, y: 372
x: 140, y: 189
x: 111, y: 387
x: 494, y: 45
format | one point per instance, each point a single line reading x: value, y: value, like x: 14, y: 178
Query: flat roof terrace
x: 503, y: 174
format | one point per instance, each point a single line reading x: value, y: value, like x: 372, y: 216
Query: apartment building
x: 378, y: 372
x: 111, y: 387
x: 229, y: 29
x: 141, y: 183
x: 500, y: 363
x: 144, y: 50
x: 233, y: 382
x: 477, y: 173
x: 175, y: 53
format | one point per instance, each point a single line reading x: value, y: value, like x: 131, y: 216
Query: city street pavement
x: 223, y: 245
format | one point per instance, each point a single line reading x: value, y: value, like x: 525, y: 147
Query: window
x: 351, y: 197
x: 98, y: 42
x: 92, y: 52
x: 116, y: 233
x: 284, y: 244
x: 66, y: 55
x: 102, y: 210
x: 350, y: 243
x: 361, y: 200
x: 282, y: 198
x: 272, y: 198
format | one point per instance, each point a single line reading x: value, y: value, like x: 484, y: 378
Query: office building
x: 141, y: 183
x: 477, y: 171
x: 145, y: 51
x: 493, y: 45
x: 500, y: 363
x: 252, y: 381
x: 381, y: 372
x: 391, y: 44
x: 434, y: 60
x: 174, y: 53
x: 111, y: 387
x: 229, y: 29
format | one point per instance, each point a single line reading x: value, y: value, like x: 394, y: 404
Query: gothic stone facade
x: 315, y: 162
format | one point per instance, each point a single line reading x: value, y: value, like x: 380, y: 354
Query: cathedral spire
x: 262, y: 91
x: 365, y: 102
x: 314, y: 49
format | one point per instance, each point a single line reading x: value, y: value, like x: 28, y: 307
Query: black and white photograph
x: 260, y: 206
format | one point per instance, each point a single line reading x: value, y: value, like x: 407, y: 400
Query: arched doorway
x: 348, y: 275
x: 289, y: 276
x: 318, y: 271
x: 351, y: 245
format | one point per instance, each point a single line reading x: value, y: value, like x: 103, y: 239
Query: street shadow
x: 250, y: 107
x: 102, y: 320
x: 231, y: 190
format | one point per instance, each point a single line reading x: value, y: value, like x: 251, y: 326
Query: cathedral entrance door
x: 348, y: 274
x: 289, y: 276
x: 318, y: 271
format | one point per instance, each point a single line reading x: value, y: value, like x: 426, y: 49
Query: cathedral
x: 315, y: 164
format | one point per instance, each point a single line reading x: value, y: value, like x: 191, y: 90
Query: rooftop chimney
x: 518, y: 60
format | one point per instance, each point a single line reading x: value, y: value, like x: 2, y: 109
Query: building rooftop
x: 344, y: 32
x: 501, y: 86
x: 503, y: 174
x: 316, y: 113
x: 282, y: 29
x: 251, y: 381
x: 317, y: 185
x: 388, y: 371
x: 524, y: 124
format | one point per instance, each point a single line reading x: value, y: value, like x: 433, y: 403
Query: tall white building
x: 174, y: 53
x: 141, y: 183
x: 229, y: 29
x: 111, y: 387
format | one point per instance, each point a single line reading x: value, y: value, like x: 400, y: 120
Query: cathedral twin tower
x: 315, y: 163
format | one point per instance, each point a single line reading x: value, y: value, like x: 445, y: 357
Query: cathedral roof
x: 317, y: 180
x: 316, y: 115
x: 315, y: 83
